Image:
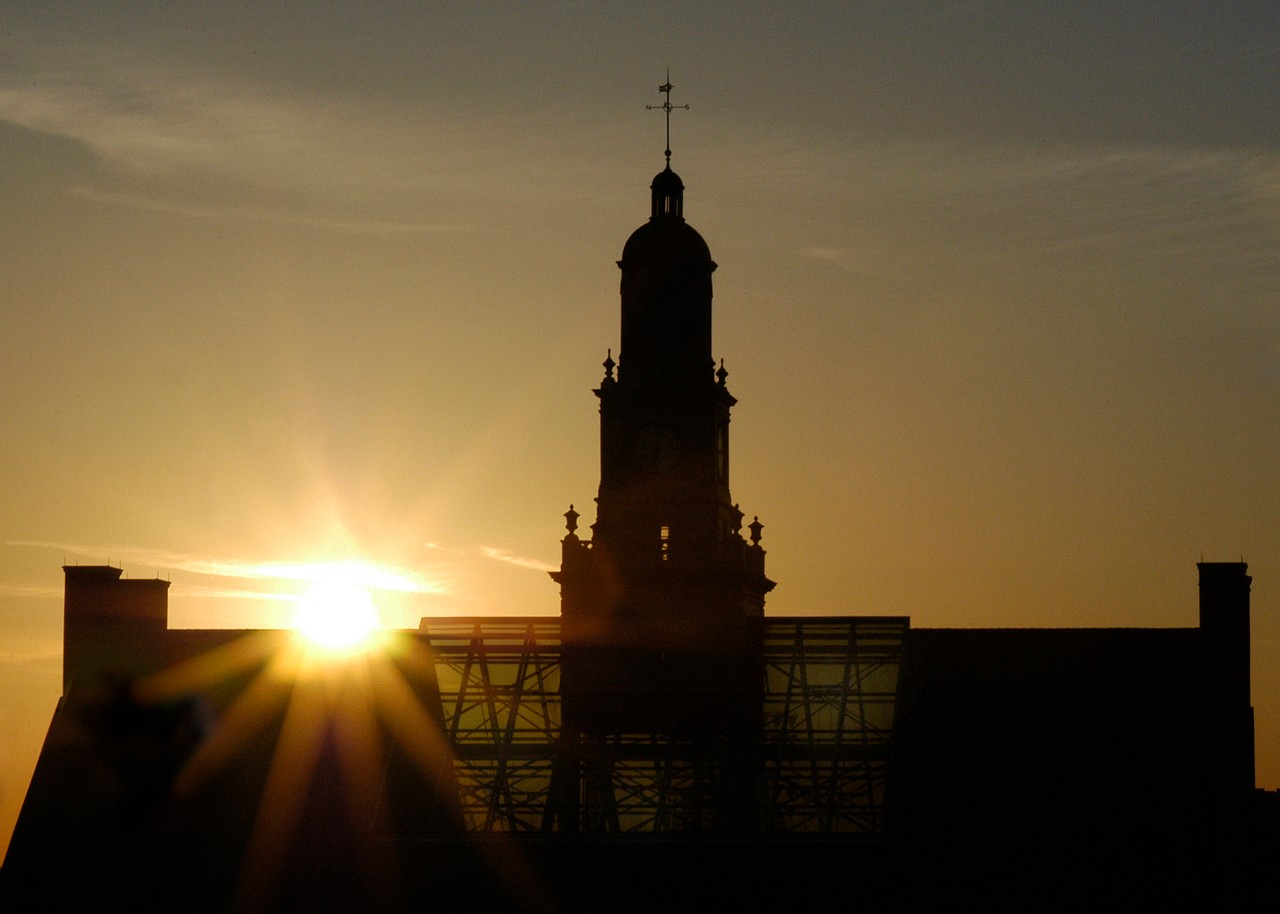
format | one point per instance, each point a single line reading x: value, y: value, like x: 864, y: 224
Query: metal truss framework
x: 830, y: 687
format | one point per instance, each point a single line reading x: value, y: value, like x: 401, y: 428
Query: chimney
x: 110, y: 625
x: 1224, y: 620
x: 1224, y: 630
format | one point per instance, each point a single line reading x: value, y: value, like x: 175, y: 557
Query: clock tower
x: 661, y: 608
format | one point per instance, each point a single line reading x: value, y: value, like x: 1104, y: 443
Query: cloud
x: 369, y: 226
x: 232, y: 593
x: 51, y: 654
x: 374, y: 575
x: 210, y: 146
x: 25, y: 591
x: 510, y: 558
x: 836, y: 256
x: 896, y: 205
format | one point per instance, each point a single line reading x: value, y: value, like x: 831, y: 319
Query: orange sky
x: 997, y: 295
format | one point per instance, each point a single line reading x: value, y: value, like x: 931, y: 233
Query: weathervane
x: 666, y: 106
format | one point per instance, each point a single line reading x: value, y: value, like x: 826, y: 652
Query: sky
x: 288, y: 285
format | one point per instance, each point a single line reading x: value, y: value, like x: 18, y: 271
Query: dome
x: 666, y: 236
x: 666, y: 240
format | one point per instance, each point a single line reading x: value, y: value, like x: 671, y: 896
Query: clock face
x: 657, y: 448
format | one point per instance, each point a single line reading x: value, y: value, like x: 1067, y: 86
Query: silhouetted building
x: 662, y: 735
x: 662, y: 607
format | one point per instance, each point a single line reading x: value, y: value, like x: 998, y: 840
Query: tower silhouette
x: 661, y: 606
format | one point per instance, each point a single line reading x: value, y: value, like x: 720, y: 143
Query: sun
x: 339, y: 688
x: 337, y: 613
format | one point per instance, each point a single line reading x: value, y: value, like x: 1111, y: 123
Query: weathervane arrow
x: 667, y: 107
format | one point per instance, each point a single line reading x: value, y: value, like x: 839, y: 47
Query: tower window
x: 664, y: 537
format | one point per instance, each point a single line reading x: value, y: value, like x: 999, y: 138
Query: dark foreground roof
x: 1064, y: 737
x: 200, y: 770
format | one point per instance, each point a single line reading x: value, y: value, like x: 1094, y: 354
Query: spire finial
x: 667, y: 107
x: 609, y: 365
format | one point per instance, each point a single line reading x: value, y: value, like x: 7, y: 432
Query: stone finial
x: 571, y: 521
x: 609, y: 365
x: 755, y: 527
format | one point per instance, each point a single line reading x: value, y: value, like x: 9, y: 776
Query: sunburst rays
x: 347, y: 710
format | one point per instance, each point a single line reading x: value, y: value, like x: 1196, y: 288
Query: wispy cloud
x: 232, y: 593
x: 206, y: 145
x: 114, y: 555
x: 510, y: 558
x: 367, y: 226
x: 29, y: 591
x: 850, y: 261
x: 378, y: 576
x: 889, y: 206
x: 52, y: 654
x: 836, y: 256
